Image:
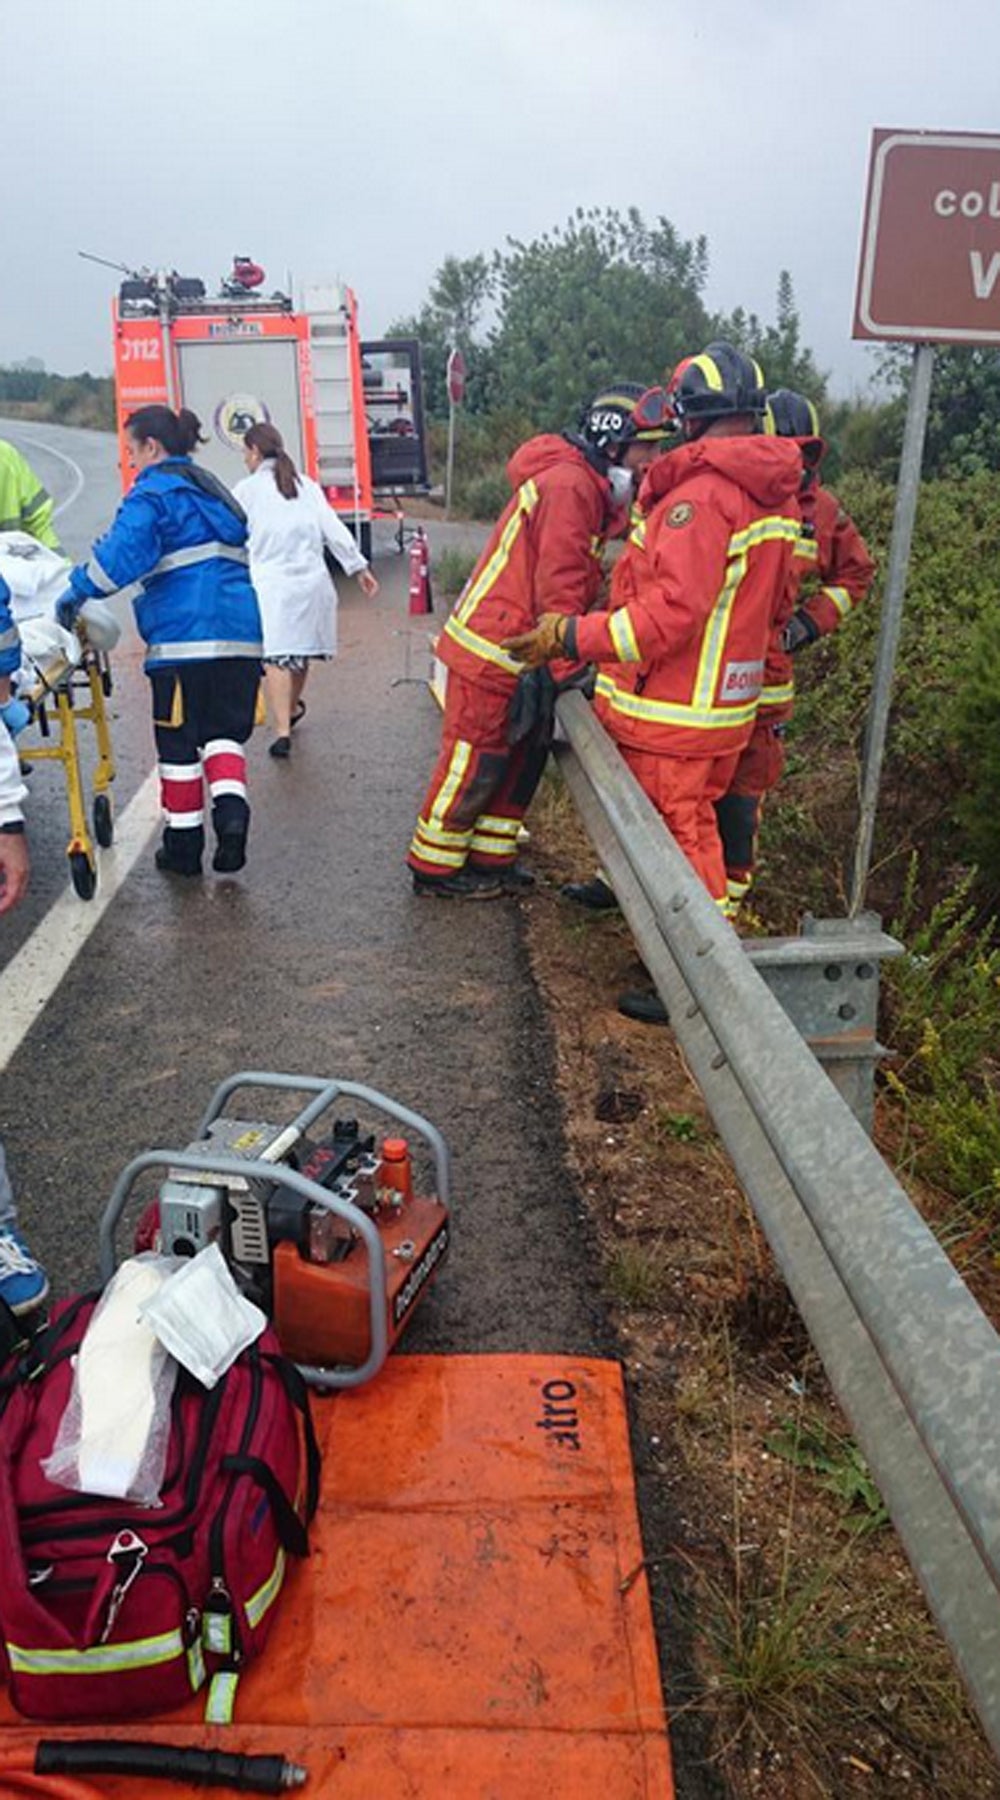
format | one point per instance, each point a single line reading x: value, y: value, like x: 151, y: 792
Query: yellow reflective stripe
x: 196, y: 1665
x: 674, y: 712
x: 268, y: 1591
x: 597, y: 548
x: 502, y: 848
x: 778, y: 695
x: 709, y: 369
x: 713, y: 641
x: 501, y: 827
x: 427, y: 830
x: 637, y: 535
x: 841, y: 599
x: 141, y: 1653
x: 773, y: 528
x: 460, y: 759
x: 480, y: 646
x: 622, y: 633
x: 806, y: 549
x: 527, y: 499
x: 221, y: 1702
x: 450, y: 859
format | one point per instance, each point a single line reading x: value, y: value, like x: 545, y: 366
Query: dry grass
x: 802, y: 1647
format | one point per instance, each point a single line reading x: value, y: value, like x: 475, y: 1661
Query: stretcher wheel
x: 104, y: 821
x: 82, y: 874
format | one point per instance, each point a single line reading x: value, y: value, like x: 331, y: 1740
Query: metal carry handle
x: 328, y: 1090
x: 300, y: 1184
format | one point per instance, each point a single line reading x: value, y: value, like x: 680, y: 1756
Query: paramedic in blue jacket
x: 180, y: 539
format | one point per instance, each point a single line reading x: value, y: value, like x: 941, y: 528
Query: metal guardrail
x: 912, y: 1358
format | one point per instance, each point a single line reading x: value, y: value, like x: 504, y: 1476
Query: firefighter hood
x: 768, y: 469
x: 546, y: 452
x: 543, y: 555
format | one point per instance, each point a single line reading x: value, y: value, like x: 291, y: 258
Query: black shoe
x: 645, y: 1006
x: 465, y: 884
x: 281, y: 747
x: 515, y: 878
x: 596, y: 894
x: 165, y: 862
x: 230, y: 852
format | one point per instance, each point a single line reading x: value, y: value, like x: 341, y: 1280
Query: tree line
x: 543, y: 324
x: 85, y: 399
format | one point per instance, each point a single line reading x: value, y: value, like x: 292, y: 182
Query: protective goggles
x: 653, y: 414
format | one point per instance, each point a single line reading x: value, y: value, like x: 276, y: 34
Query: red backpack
x: 110, y: 1609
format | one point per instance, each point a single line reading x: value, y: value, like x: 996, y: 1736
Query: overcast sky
x: 371, y: 138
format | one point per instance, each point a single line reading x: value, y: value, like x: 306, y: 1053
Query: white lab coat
x: 298, y: 601
x: 12, y: 788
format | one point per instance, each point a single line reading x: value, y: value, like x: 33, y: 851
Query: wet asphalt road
x: 318, y: 959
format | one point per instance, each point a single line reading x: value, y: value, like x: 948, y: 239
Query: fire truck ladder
x: 329, y: 340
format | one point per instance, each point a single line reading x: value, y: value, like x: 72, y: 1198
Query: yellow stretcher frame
x: 61, y: 689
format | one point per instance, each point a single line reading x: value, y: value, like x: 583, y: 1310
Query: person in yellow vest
x: 25, y: 505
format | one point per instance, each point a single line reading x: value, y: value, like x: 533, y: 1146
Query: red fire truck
x: 350, y: 411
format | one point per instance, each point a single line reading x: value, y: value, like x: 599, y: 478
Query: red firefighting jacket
x: 543, y: 555
x: 684, y: 646
x: 832, y: 550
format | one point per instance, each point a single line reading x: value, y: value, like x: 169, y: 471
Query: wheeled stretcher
x: 67, y: 682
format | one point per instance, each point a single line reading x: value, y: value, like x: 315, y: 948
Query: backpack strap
x: 291, y: 1531
x: 36, y: 1353
x: 298, y: 1393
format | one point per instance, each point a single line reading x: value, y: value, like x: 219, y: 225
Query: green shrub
x: 937, y: 792
x: 484, y: 496
x: 451, y: 569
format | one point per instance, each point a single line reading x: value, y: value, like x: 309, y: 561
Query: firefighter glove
x: 799, y: 632
x: 539, y: 646
x: 532, y: 710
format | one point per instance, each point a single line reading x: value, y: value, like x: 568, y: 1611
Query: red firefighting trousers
x: 684, y: 790
x: 738, y: 811
x: 481, y: 786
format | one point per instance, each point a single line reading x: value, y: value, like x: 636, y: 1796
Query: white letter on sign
x: 984, y: 280
x: 945, y: 203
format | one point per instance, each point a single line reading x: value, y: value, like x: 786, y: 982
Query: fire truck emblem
x: 234, y: 416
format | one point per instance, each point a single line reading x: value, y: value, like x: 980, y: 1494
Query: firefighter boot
x: 645, y: 1006
x: 465, y: 884
x: 595, y: 894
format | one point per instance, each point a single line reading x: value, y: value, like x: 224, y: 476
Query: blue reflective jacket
x: 179, y: 539
x: 10, y: 641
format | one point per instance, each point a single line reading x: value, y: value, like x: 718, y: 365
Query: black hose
x: 167, y: 1762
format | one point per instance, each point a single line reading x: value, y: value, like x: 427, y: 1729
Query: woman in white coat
x: 290, y: 521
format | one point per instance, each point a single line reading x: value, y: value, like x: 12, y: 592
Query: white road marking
x: 34, y: 974
x: 77, y: 472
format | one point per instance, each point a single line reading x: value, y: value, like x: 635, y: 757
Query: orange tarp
x: 473, y: 1622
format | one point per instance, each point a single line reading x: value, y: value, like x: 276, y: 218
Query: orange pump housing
x: 322, y: 1310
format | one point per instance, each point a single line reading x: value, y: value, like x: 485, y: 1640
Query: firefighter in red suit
x: 681, y: 662
x: 543, y: 556
x: 831, y: 572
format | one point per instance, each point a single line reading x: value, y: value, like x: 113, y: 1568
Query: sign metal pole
x: 907, y: 494
x: 451, y: 458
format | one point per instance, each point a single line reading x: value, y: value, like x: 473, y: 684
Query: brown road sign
x: 930, y: 250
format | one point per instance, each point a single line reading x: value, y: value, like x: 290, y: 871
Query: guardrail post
x: 827, y: 980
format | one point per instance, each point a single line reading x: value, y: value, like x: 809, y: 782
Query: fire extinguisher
x: 421, y: 599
